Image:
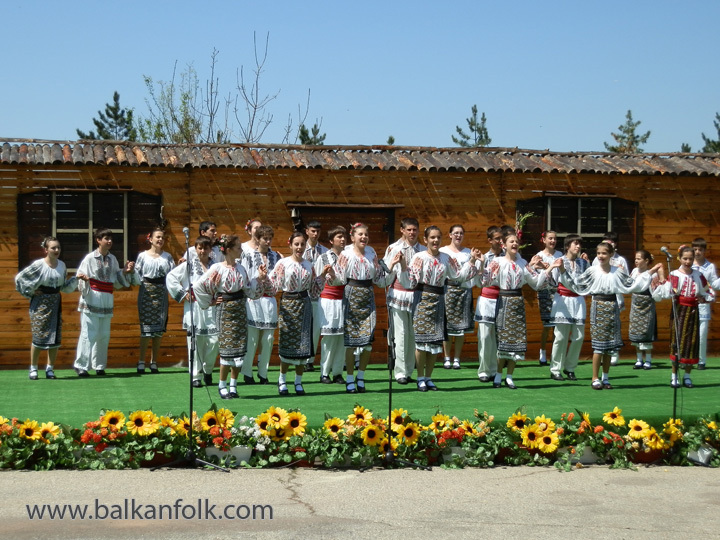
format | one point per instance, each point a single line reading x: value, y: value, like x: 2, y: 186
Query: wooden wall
x: 672, y: 210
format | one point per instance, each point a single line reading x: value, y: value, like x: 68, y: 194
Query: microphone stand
x: 190, y: 459
x: 677, y: 338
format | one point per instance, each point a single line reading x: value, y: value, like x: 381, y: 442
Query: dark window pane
x: 71, y: 210
x: 108, y: 211
x: 563, y: 215
x: 74, y: 247
x: 594, y: 214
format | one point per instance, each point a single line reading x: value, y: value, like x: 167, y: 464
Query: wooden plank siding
x: 672, y: 210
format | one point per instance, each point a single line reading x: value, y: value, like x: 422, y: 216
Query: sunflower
x: 410, y: 433
x: 280, y: 433
x: 386, y: 445
x: 469, y: 428
x: 517, y: 421
x: 278, y: 417
x: 333, y: 426
x: 113, y: 420
x: 3, y: 420
x: 360, y: 416
x: 29, y: 429
x: 167, y: 422
x: 297, y: 422
x: 654, y: 441
x: 372, y: 435
x: 586, y: 418
x: 441, y: 422
x: 638, y: 429
x: 548, y: 442
x: 614, y: 417
x: 397, y: 419
x: 225, y: 418
x: 531, y: 435
x: 711, y: 425
x: 48, y: 429
x: 183, y: 426
x: 209, y: 420
x: 143, y: 423
x: 263, y: 422
x: 545, y: 424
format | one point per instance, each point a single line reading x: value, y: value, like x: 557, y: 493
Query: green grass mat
x: 639, y: 393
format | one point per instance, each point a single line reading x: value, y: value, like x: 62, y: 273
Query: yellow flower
x: 531, y: 435
x: 30, y: 430
x: 545, y: 424
x: 297, y: 422
x: 614, y: 417
x: 441, y: 422
x: 469, y: 428
x: 278, y: 417
x: 225, y: 418
x: 386, y: 446
x: 548, y: 442
x: 143, y: 423
x: 263, y: 422
x: 114, y: 420
x: 166, y: 421
x: 47, y: 429
x: 638, y: 429
x: 517, y: 421
x: 183, y: 426
x: 3, y: 420
x: 209, y: 420
x: 653, y: 440
x: 334, y: 426
x: 410, y: 433
x: 397, y: 419
x: 360, y: 416
x: 711, y: 425
x: 280, y: 433
x: 371, y: 435
x: 586, y: 418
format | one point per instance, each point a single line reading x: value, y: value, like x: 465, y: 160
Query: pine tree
x: 390, y: 140
x: 628, y: 142
x: 685, y: 148
x: 712, y: 146
x: 114, y: 124
x: 478, y: 132
x: 313, y: 137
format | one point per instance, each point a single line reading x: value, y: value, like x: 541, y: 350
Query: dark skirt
x: 295, y: 323
x: 359, y: 315
x: 688, y: 327
x: 231, y: 321
x: 429, y: 318
x: 510, y: 325
x: 459, y: 310
x: 643, y: 322
x: 46, y: 321
x: 605, y: 326
x: 153, y: 308
x: 545, y: 304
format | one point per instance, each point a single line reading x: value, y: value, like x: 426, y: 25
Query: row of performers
x: 329, y: 292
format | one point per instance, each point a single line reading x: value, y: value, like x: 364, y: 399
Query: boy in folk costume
x: 313, y: 250
x: 98, y: 275
x: 707, y: 269
x: 485, y: 312
x: 207, y: 229
x: 400, y: 300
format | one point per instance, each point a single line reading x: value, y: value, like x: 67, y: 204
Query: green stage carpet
x: 640, y: 394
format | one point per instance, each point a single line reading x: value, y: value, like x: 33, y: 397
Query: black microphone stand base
x: 190, y: 461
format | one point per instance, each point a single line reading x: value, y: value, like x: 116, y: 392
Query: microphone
x: 186, y: 232
x: 383, y: 266
x: 666, y: 252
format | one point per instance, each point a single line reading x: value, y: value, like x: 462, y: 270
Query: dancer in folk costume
x: 227, y: 284
x: 250, y: 227
x: 206, y: 332
x: 427, y: 274
x: 358, y: 269
x: 546, y: 293
x: 485, y: 311
x: 458, y: 301
x: 151, y: 269
x: 568, y: 313
x: 313, y: 250
x: 510, y: 273
x: 604, y: 282
x: 99, y: 274
x: 296, y: 278
x: 400, y: 299
x: 707, y: 269
x: 262, y: 313
x: 643, y: 319
x: 332, y: 326
x: 42, y: 282
x: 687, y: 288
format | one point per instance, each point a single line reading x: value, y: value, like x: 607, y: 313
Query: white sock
x: 497, y: 378
x: 542, y: 355
x: 282, y: 378
x: 648, y: 357
x: 360, y: 374
x: 350, y: 379
x: 447, y: 358
x: 639, y: 356
x: 605, y: 377
x: 674, y: 377
x: 233, y: 382
x: 508, y: 378
x: 298, y: 379
x: 686, y: 376
x: 222, y: 384
x: 457, y: 360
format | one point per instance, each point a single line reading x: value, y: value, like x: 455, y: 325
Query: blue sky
x: 556, y: 75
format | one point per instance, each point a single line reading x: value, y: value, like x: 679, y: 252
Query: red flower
x: 598, y: 429
x: 100, y: 447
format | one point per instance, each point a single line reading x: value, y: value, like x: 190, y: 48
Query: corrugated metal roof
x: 239, y: 156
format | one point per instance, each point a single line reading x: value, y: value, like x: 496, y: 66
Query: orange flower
x: 571, y: 416
x: 598, y: 429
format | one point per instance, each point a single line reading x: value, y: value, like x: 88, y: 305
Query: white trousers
x: 487, y: 350
x: 566, y: 347
x: 704, y: 329
x: 332, y: 355
x: 262, y: 338
x: 92, y: 347
x: 404, y: 342
x: 206, y: 351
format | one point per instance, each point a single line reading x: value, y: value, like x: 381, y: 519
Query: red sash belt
x: 101, y: 286
x: 333, y: 292
x: 490, y: 292
x: 687, y: 301
x: 564, y: 291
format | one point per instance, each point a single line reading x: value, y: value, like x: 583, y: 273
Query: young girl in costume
x: 545, y: 294
x: 643, y: 321
x: 42, y: 282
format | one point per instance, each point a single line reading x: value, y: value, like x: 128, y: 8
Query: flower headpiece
x: 357, y: 225
x: 223, y: 242
x: 250, y: 221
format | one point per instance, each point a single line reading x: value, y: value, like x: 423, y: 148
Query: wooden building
x: 69, y: 188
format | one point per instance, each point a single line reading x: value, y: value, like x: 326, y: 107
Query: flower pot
x: 641, y: 456
x: 158, y: 460
x: 241, y: 453
x: 702, y: 455
x: 451, y: 452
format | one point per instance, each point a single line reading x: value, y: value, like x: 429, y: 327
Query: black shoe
x: 263, y: 380
x: 140, y: 367
x: 309, y: 367
x: 299, y: 390
x: 233, y: 393
x: 224, y: 393
x: 402, y: 380
x: 422, y: 388
x: 638, y: 365
x: 701, y: 367
x: 350, y: 390
x: 197, y: 384
x: 338, y: 379
x: 49, y: 373
x: 283, y: 390
x: 207, y: 379
x: 675, y: 384
x: 431, y: 386
x: 100, y: 372
x: 360, y: 387
x: 570, y: 375
x: 510, y: 385
x: 687, y: 383
x: 410, y: 379
x: 557, y: 377
x: 484, y: 378
x: 154, y: 368
x: 607, y: 386
x: 543, y: 364
x: 497, y: 384
x: 325, y: 379
x: 81, y: 373
x: 248, y: 379
x: 33, y: 376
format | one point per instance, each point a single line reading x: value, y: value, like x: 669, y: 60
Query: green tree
x: 627, y: 141
x: 478, y: 132
x: 685, y: 148
x: 116, y: 123
x: 712, y: 146
x: 312, y: 137
x: 390, y: 140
